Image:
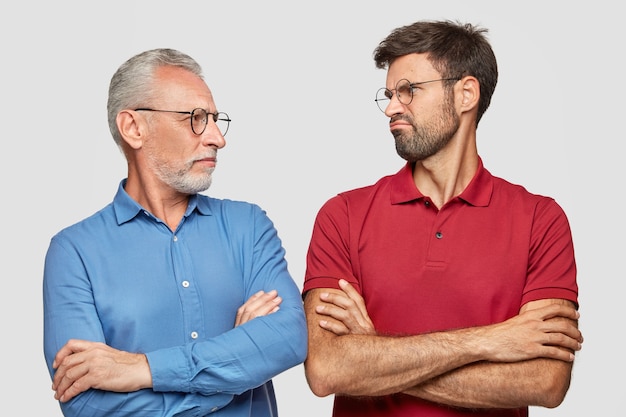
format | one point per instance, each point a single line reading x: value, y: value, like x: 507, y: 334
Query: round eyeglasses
x: 199, y: 119
x: 403, y: 91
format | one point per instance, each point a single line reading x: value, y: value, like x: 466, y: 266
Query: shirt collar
x: 403, y: 187
x: 477, y: 193
x: 126, y: 208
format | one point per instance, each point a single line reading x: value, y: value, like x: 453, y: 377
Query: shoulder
x: 364, y: 193
x: 519, y: 198
x: 519, y: 192
x: 233, y: 213
x: 88, y: 226
x: 227, y: 206
x: 354, y: 204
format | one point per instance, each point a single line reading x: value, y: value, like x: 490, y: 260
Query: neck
x: 159, y: 199
x: 446, y: 174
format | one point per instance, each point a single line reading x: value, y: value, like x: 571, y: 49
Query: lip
x: 397, y: 124
x: 211, y: 161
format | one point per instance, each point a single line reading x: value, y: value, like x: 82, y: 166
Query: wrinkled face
x: 177, y: 156
x: 427, y: 124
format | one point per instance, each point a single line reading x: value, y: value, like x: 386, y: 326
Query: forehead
x: 413, y: 67
x: 178, y: 86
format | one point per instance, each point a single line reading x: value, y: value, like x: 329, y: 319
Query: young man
x: 168, y: 302
x: 441, y: 290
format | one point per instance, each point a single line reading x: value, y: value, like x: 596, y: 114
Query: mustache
x: 403, y: 117
x: 191, y: 161
x: 210, y: 155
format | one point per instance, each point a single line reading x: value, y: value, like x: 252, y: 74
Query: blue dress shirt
x: 122, y: 277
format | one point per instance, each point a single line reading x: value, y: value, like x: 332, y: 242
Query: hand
x: 81, y: 365
x: 537, y: 333
x: 260, y: 304
x: 348, y: 309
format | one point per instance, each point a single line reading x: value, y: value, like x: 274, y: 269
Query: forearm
x: 234, y: 361
x: 375, y: 365
x: 143, y: 403
x: 539, y: 382
x: 346, y: 358
x: 378, y: 365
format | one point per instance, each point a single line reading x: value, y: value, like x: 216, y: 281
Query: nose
x: 394, y: 106
x: 212, y: 136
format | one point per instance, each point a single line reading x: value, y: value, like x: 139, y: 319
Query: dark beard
x: 426, y: 140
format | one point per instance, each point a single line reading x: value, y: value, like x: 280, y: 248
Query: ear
x: 132, y: 128
x: 470, y: 94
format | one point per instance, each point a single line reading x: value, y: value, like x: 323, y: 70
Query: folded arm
x: 347, y: 356
x: 81, y: 365
x: 120, y: 370
x: 542, y: 381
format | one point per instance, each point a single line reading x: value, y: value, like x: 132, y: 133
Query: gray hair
x: 132, y: 84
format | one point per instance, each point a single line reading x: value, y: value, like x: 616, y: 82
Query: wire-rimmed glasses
x: 199, y: 119
x: 403, y: 91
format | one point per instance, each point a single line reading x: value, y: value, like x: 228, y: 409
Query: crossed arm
x: 81, y: 364
x: 523, y: 361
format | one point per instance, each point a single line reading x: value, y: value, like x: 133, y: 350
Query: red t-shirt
x: 474, y: 262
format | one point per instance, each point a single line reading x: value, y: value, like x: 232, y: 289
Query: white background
x: 298, y: 81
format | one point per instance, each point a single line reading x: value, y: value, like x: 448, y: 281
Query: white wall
x: 299, y: 82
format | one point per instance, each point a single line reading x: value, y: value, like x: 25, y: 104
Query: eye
x: 405, y: 90
x: 199, y: 116
x: 388, y: 94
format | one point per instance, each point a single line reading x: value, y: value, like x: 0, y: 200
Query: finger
x: 345, y: 321
x: 252, y: 300
x: 261, y: 304
x: 338, y: 299
x: 77, y: 387
x: 333, y: 311
x: 353, y: 303
x: 270, y: 306
x: 564, y: 328
x: 348, y: 289
x: 259, y: 299
x: 256, y: 295
x: 72, y: 346
x: 552, y: 352
x: 68, y: 377
x: 335, y: 327
x: 66, y: 365
x: 352, y: 293
x: 563, y: 341
x: 557, y: 310
x: 348, y: 293
x: 242, y: 312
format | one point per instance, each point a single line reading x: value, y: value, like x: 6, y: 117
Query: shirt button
x: 175, y: 238
x: 427, y: 203
x: 185, y: 284
x: 438, y: 235
x: 194, y: 335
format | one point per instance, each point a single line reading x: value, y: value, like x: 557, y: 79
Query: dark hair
x: 454, y: 49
